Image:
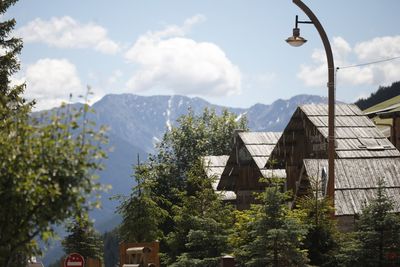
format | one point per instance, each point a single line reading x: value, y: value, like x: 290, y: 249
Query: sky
x: 229, y: 52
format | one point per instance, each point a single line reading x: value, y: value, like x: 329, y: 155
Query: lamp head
x: 296, y: 40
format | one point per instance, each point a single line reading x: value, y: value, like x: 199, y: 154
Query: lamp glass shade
x: 296, y: 41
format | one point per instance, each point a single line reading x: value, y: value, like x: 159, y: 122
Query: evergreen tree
x: 276, y: 234
x: 11, y: 100
x: 321, y: 240
x: 242, y: 232
x: 141, y: 216
x: 382, y: 94
x: 202, y: 223
x: 111, y: 248
x: 166, y: 176
x: 378, y: 231
x: 83, y: 239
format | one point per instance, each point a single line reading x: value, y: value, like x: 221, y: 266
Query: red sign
x: 74, y: 260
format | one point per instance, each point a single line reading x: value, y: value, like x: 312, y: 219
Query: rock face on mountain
x: 142, y: 120
x: 137, y: 123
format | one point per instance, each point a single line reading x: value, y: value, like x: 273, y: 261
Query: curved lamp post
x: 297, y: 40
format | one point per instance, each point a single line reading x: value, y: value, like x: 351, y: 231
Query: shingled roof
x: 356, y: 135
x: 213, y: 167
x: 356, y: 181
x: 258, y: 145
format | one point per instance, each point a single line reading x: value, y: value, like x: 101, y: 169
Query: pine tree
x: 202, y: 223
x: 276, y: 234
x: 322, y: 235
x: 11, y: 100
x: 378, y: 231
x: 83, y: 239
x: 111, y: 248
x: 141, y: 216
x: 170, y: 181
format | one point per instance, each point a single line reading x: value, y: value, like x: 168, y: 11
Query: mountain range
x: 136, y: 123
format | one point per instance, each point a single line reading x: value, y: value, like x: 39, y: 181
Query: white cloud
x: 50, y: 81
x: 168, y: 60
x: 377, y: 48
x: 65, y: 32
x: 115, y: 77
x: 364, y: 52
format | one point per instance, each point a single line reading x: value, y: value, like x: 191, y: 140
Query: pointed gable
x: 251, y: 150
x: 356, y: 135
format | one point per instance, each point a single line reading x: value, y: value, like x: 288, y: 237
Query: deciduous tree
x: 47, y: 164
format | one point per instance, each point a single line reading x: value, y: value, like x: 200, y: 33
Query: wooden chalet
x: 213, y: 167
x: 246, y: 165
x: 363, y: 154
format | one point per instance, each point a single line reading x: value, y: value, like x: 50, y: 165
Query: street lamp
x: 297, y: 40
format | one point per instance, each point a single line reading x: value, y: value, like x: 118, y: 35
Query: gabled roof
x: 213, y: 167
x: 356, y: 135
x: 382, y: 114
x: 388, y: 105
x: 356, y: 181
x: 389, y: 109
x: 259, y: 146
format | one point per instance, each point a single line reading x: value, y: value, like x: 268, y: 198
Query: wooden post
x: 331, y: 98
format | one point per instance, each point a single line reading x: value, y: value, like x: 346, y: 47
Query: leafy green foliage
x: 47, y: 175
x: 46, y: 164
x: 197, y: 136
x: 175, y: 195
x: 241, y: 234
x: 83, y: 239
x: 181, y: 148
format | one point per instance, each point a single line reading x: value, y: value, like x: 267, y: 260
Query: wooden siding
x: 249, y: 156
x: 246, y: 165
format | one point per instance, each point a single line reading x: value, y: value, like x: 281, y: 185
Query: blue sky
x: 229, y: 52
